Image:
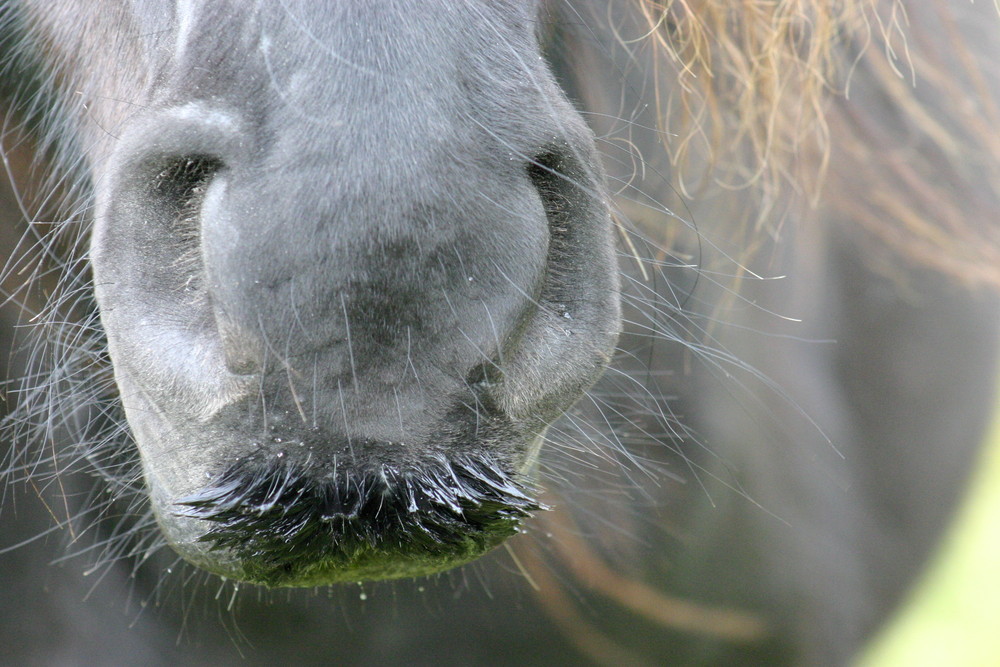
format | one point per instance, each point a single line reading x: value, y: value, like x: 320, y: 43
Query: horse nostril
x: 559, y: 179
x: 178, y: 191
x: 183, y: 177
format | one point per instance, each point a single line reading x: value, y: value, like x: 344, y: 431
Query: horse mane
x: 872, y: 115
x: 870, y: 111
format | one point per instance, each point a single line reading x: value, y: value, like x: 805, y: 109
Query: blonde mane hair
x: 873, y: 111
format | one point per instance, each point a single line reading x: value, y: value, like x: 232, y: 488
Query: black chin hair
x: 281, y: 518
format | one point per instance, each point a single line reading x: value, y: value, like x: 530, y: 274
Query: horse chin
x: 307, y: 515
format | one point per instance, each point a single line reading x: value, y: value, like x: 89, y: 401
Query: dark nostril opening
x: 178, y: 191
x: 184, y: 177
x: 558, y: 180
x: 568, y: 191
x: 174, y: 197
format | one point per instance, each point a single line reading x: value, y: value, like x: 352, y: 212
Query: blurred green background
x: 953, y: 617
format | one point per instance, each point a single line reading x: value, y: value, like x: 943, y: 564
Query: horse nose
x: 387, y: 265
x: 353, y: 268
x: 358, y: 277
x: 250, y: 264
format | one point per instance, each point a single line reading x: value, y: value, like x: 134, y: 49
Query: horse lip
x: 279, y: 523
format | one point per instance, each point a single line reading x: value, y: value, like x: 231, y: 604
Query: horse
x: 698, y: 298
